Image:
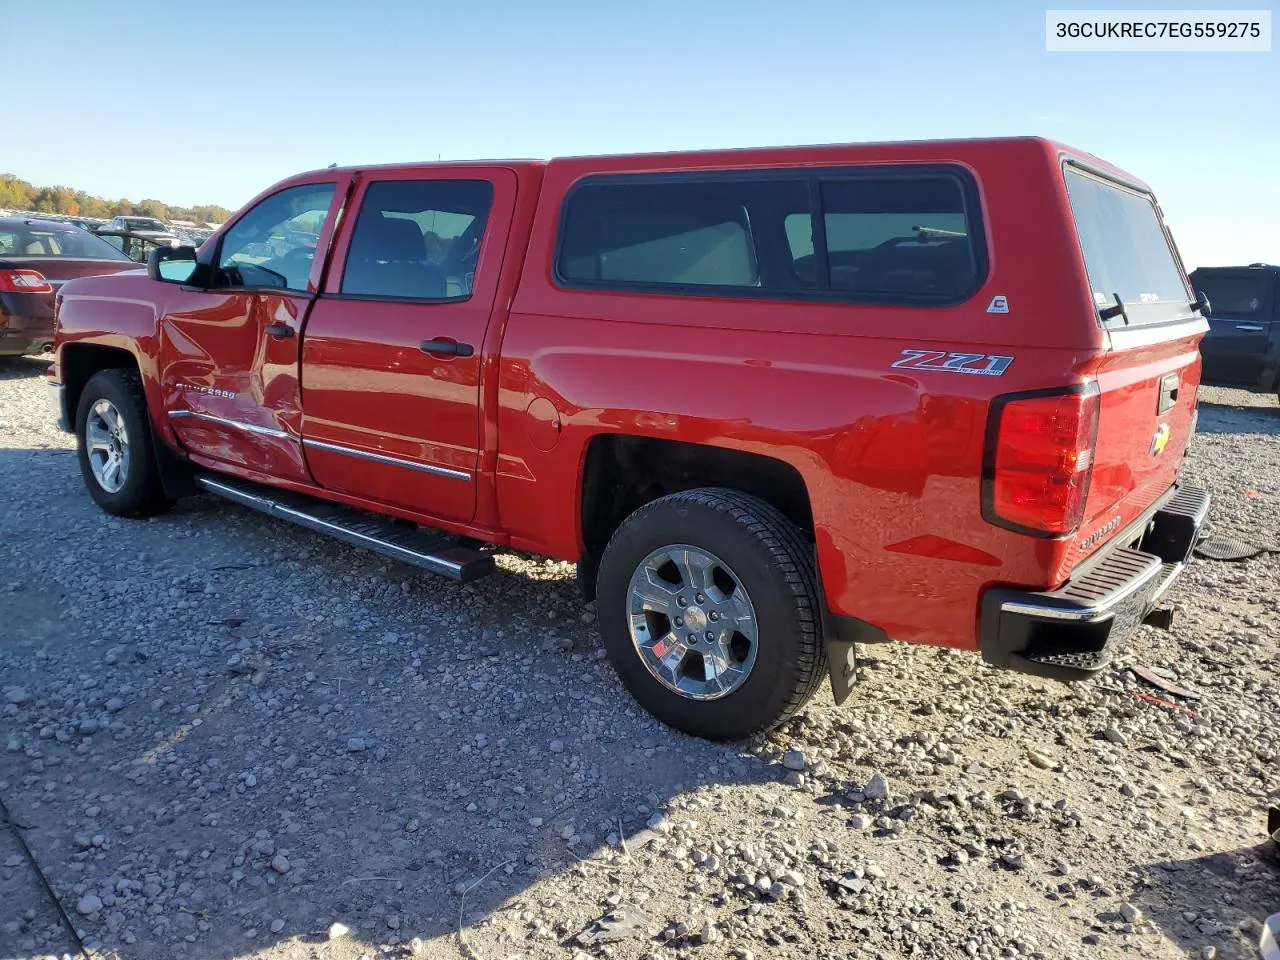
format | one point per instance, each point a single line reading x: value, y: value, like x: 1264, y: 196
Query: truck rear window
x: 1126, y: 252
x: 884, y: 236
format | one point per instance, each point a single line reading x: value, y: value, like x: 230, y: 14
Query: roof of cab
x: 806, y: 155
x: 868, y: 152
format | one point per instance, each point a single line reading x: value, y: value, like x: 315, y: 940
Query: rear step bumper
x: 430, y: 550
x: 1073, y: 632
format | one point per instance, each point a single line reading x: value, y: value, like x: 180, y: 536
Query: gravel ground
x: 229, y: 738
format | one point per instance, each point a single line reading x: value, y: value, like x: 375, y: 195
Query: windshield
x: 31, y: 240
x: 1125, y: 249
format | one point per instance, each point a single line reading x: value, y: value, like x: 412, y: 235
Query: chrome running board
x: 430, y: 550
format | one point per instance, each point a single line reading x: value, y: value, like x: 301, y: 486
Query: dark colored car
x: 1242, y: 348
x: 36, y: 258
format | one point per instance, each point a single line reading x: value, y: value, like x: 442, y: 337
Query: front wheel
x: 709, y: 612
x: 113, y: 434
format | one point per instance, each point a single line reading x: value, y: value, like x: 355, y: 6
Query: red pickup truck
x: 773, y: 402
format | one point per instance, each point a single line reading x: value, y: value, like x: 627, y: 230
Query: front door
x: 392, y: 352
x: 230, y: 350
x: 1235, y: 348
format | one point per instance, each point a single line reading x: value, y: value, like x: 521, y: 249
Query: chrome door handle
x: 1250, y: 327
x: 282, y: 330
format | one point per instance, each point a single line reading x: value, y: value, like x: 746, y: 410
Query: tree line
x: 16, y: 194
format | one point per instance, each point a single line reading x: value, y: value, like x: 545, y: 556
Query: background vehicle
x: 138, y: 225
x: 773, y: 402
x: 1242, y: 347
x: 36, y: 258
x: 137, y: 246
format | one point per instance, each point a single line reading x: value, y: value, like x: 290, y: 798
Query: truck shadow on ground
x: 1237, y: 418
x: 24, y: 368
x: 236, y: 733
x: 1216, y: 900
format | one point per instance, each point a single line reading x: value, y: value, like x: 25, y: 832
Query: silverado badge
x: 1160, y: 440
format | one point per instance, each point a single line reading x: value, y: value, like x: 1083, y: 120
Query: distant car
x: 1242, y: 348
x: 36, y: 258
x: 138, y: 225
x: 137, y: 246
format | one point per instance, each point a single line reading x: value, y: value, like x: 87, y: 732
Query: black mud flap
x: 842, y: 634
x: 176, y: 475
x: 842, y: 661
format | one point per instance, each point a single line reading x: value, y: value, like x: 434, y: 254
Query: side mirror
x: 172, y: 264
x: 1201, y: 304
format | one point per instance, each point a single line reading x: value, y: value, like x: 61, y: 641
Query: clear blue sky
x: 193, y: 103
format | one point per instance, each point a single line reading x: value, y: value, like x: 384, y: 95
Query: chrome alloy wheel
x: 692, y: 622
x: 106, y: 442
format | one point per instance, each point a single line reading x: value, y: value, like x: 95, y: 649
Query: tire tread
x: 152, y: 498
x: 792, y: 556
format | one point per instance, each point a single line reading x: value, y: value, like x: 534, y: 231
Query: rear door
x: 230, y: 351
x: 1240, y: 302
x: 1149, y: 377
x: 392, y: 360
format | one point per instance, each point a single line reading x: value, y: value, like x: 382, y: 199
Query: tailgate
x: 1148, y: 399
x: 1149, y: 376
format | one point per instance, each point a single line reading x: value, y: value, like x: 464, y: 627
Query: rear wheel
x: 709, y: 612
x: 113, y: 435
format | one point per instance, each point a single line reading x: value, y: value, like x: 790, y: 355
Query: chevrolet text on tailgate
x: 773, y: 402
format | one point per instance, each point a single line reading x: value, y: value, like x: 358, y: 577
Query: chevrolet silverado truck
x: 773, y: 402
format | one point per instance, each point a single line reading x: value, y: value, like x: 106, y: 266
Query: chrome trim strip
x: 234, y: 424
x: 1081, y: 614
x: 383, y: 458
x: 1144, y: 335
x: 275, y: 508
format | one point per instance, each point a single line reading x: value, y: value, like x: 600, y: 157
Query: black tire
x: 141, y: 492
x: 774, y: 562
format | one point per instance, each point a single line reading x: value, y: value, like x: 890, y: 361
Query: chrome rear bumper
x: 1073, y: 632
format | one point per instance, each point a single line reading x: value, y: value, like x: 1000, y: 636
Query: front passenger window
x: 417, y: 240
x: 274, y: 244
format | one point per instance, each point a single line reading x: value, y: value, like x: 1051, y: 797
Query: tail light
x: 24, y: 281
x: 1039, y: 457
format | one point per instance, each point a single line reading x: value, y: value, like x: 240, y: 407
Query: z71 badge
x: 977, y: 364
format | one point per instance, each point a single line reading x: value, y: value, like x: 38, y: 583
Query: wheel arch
x: 623, y: 472
x: 78, y: 362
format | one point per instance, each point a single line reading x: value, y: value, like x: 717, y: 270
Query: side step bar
x: 434, y: 551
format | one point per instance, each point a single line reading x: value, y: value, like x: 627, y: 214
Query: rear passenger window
x: 903, y: 237
x: 674, y: 233
x: 884, y: 238
x: 417, y: 239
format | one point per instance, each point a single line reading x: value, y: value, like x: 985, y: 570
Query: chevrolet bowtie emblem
x: 1160, y: 440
